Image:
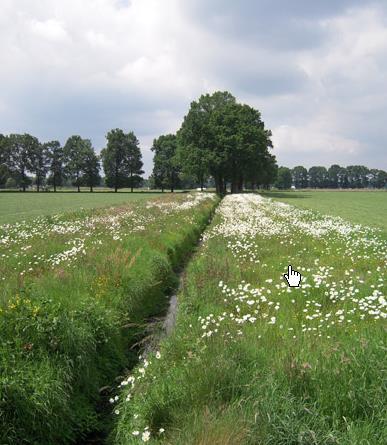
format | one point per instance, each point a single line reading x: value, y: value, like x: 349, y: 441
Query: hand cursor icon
x: 292, y: 277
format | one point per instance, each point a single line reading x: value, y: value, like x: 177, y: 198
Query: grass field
x: 16, y: 206
x: 369, y: 208
x: 252, y: 361
x: 75, y: 293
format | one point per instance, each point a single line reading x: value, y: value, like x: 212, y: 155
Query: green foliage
x: 300, y: 177
x: 10, y: 183
x: 67, y: 331
x: 227, y: 140
x: 353, y: 176
x: 56, y: 166
x: 75, y: 152
x: 122, y: 160
x: 284, y: 178
x: 318, y: 177
x: 91, y: 176
x: 166, y: 164
x: 22, y: 150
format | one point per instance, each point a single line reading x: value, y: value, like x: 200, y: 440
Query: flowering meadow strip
x: 76, y: 291
x: 254, y: 361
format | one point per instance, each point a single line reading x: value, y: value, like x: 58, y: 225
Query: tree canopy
x: 122, y: 160
x: 227, y: 140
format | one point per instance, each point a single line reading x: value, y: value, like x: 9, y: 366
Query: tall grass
x: 267, y: 374
x: 67, y: 327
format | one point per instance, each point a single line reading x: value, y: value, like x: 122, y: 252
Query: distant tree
x: 10, y: 183
x: 166, y: 162
x: 74, y: 159
x: 357, y: 176
x: 284, y: 178
x: 134, y: 161
x: 23, y: 148
x: 40, y: 163
x: 121, y: 160
x: 5, y: 165
x: 334, y: 172
x: 300, y: 177
x: 56, y: 163
x: 377, y: 178
x: 318, y: 177
x: 4, y: 150
x: 91, y: 166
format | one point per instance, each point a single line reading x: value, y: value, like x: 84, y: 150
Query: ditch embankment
x: 72, y: 330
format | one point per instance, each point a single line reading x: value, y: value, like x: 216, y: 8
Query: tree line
x: 22, y: 155
x: 353, y: 176
x: 221, y: 143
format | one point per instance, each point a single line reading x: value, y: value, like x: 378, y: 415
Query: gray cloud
x: 315, y: 69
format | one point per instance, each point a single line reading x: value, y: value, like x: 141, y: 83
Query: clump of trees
x: 335, y: 177
x: 76, y: 163
x: 122, y: 160
x: 219, y: 138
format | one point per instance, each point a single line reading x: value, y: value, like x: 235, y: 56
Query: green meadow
x: 363, y: 207
x: 17, y: 206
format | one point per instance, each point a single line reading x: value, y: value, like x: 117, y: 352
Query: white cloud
x: 50, y: 29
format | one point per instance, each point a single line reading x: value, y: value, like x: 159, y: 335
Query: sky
x: 317, y: 70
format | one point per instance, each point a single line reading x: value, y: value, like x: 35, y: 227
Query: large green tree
x: 166, y: 163
x: 5, y: 168
x: 284, y: 178
x: 113, y: 159
x: 23, y: 148
x: 40, y: 163
x: 91, y: 166
x: 300, y: 177
x: 122, y: 160
x: 56, y: 163
x: 73, y: 151
x: 318, y: 177
x: 225, y: 139
x: 134, y: 161
x: 357, y: 176
x: 199, y: 138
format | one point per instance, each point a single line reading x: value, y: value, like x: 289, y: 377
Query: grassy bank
x: 76, y: 289
x: 252, y: 361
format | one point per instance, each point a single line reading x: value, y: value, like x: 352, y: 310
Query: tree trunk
x: 37, y: 185
x: 24, y: 181
x: 115, y: 178
x: 218, y: 184
x: 91, y: 188
x: 54, y: 184
x: 240, y: 184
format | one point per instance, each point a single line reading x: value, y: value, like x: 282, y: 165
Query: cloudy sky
x: 317, y: 70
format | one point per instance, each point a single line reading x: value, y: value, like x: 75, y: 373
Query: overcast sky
x: 316, y: 69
